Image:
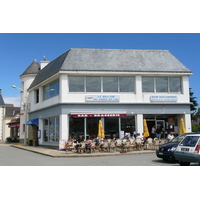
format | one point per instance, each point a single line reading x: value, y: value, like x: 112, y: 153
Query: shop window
x: 51, y: 129
x: 128, y: 125
x: 76, y: 127
x: 51, y: 90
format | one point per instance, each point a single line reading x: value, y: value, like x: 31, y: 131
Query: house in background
x: 9, y: 119
x: 69, y: 95
x: 12, y: 122
x: 2, y: 113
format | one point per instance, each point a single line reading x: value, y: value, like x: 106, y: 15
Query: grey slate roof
x: 33, y: 68
x: 12, y: 110
x: 112, y: 60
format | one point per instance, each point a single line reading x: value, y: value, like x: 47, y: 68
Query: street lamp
x: 25, y: 109
x: 13, y: 86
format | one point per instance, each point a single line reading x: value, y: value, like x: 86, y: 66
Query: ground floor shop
x: 59, y: 122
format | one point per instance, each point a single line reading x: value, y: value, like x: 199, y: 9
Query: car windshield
x: 190, y: 141
x: 179, y: 138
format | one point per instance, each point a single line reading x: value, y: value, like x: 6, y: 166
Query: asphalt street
x: 10, y: 156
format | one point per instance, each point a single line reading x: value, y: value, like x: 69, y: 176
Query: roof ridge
x: 119, y: 49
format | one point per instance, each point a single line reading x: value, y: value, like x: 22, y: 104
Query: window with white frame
x: 161, y: 84
x: 51, y: 129
x: 50, y: 90
x: 101, y: 84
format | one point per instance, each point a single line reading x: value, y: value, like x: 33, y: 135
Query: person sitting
x: 170, y: 137
x: 114, y: 137
x: 77, y: 142
x: 126, y: 136
x: 88, y: 145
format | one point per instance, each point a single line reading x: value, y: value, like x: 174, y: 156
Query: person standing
x: 153, y: 132
x: 158, y: 132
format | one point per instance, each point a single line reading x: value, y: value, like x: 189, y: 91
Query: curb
x: 64, y: 154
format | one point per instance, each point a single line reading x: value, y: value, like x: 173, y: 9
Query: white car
x: 188, y: 150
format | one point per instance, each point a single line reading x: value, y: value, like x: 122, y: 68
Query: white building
x: 121, y: 87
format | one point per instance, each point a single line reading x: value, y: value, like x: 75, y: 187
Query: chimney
x: 43, y: 63
x: 0, y: 91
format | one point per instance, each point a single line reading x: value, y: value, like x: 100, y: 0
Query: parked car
x: 166, y: 151
x: 188, y: 150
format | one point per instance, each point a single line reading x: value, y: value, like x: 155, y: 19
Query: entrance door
x: 160, y: 123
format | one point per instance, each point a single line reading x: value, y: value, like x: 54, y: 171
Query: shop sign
x: 102, y: 98
x: 164, y: 98
x: 98, y: 115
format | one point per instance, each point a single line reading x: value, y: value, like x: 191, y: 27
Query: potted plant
x: 36, y: 143
x: 30, y: 143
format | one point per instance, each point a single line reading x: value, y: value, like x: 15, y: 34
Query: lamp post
x: 24, y: 107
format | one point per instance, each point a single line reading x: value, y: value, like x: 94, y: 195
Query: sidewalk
x: 57, y: 153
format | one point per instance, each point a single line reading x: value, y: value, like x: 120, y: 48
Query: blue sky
x: 18, y: 50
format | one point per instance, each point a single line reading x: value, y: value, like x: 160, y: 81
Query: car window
x: 179, y: 138
x: 190, y: 141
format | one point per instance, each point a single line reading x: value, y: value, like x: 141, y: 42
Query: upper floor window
x: 76, y: 84
x: 50, y: 90
x: 161, y: 84
x: 37, y: 96
x: 93, y: 84
x: 110, y: 84
x: 101, y: 84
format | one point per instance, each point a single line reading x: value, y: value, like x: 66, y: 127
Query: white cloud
x: 13, y: 100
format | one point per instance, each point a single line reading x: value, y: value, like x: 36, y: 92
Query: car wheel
x: 165, y: 159
x: 184, y: 163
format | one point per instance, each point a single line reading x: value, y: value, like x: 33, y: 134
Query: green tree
x: 193, y: 101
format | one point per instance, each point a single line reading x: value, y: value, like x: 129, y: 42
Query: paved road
x: 10, y: 156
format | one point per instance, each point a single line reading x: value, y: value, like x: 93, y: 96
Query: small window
x: 37, y: 96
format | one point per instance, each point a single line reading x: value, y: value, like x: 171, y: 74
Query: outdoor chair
x: 138, y: 143
x: 162, y: 141
x: 118, y: 144
x: 112, y: 145
x: 127, y: 145
x: 104, y: 146
x: 93, y: 146
x: 156, y: 142
x: 148, y: 144
x: 82, y: 147
x: 69, y: 145
x: 133, y: 144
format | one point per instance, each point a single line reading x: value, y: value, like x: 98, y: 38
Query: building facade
x: 73, y: 92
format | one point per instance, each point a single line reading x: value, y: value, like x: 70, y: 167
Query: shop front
x: 168, y: 123
x: 113, y: 124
